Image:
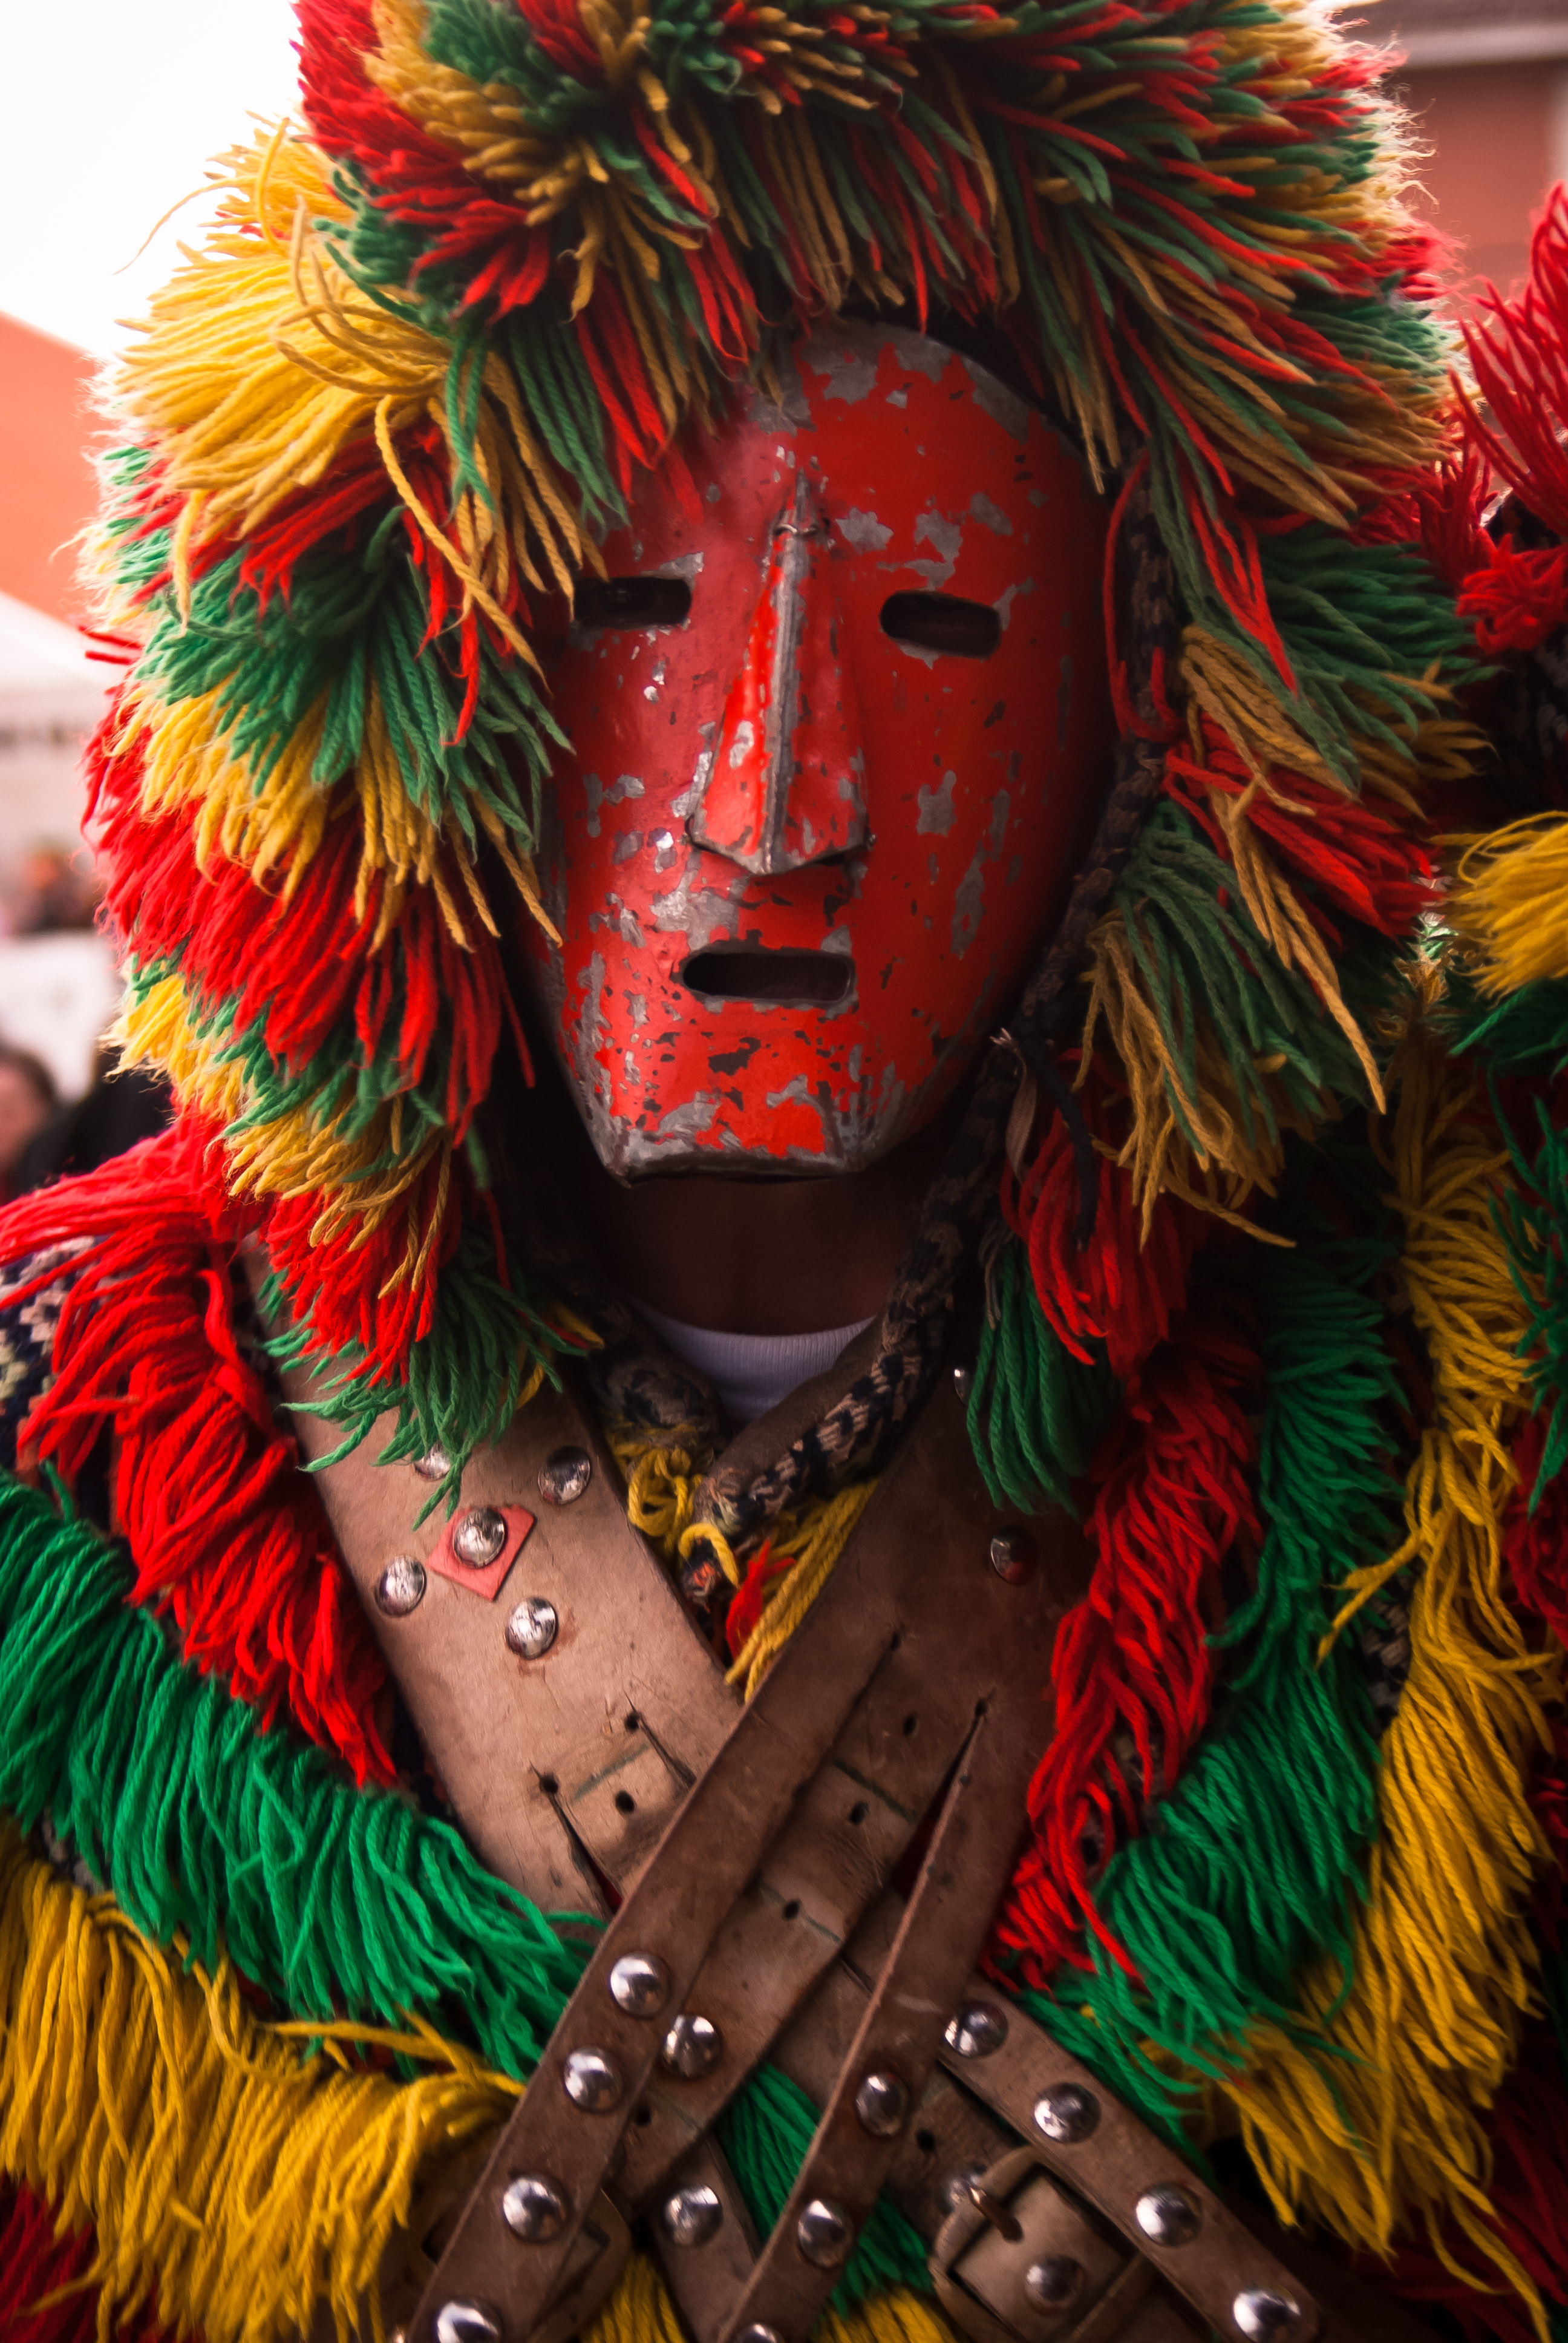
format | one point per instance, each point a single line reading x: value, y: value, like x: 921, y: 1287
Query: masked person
x: 791, y: 683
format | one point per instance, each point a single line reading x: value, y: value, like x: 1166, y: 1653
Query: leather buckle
x: 1021, y: 2260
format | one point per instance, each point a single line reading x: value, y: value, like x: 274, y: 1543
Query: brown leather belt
x: 577, y: 1721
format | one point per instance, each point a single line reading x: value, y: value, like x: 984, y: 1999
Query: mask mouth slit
x: 780, y: 977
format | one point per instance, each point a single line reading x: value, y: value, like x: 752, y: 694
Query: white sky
x: 113, y: 107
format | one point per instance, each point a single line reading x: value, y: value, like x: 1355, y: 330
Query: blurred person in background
x: 28, y: 1099
x: 121, y: 1107
x: 58, y: 892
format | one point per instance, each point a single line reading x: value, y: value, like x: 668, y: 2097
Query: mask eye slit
x: 629, y: 604
x: 942, y: 622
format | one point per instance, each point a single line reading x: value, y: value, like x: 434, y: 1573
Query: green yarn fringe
x: 1253, y: 1864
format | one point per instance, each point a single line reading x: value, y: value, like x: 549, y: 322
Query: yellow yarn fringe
x: 1391, y: 2133
x: 811, y: 1545
x: 235, y: 2186
x: 641, y: 2310
x: 262, y: 361
x: 363, y: 1180
x: 1509, y: 902
x: 662, y: 1481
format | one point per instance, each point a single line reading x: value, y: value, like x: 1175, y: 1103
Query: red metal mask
x: 836, y: 736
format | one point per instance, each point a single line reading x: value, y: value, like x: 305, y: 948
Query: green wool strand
x: 765, y: 2135
x: 1526, y: 1032
x: 350, y: 621
x: 1201, y: 956
x: 1253, y: 1864
x: 465, y: 1379
x: 338, y: 1902
x: 1036, y: 1414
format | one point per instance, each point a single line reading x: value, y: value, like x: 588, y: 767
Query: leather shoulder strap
x: 560, y: 1688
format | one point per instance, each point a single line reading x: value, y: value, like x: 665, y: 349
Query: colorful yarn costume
x: 1272, y: 1256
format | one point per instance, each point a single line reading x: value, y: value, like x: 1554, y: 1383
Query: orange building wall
x: 47, y: 485
x: 1491, y: 133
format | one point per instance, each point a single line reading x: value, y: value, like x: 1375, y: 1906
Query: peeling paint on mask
x: 947, y: 538
x: 626, y: 786
x: 964, y: 772
x: 989, y: 515
x: 936, y: 804
x: 864, y: 531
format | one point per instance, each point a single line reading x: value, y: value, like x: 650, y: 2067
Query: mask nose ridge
x: 785, y: 785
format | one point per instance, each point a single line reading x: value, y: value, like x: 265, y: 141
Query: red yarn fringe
x: 1120, y: 1289
x: 35, y: 2264
x: 301, y: 959
x: 226, y: 1532
x: 1132, y: 1671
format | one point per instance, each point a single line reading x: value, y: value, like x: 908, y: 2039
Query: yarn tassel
x: 226, y: 1532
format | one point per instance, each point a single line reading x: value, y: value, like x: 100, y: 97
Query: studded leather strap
x: 901, y: 1596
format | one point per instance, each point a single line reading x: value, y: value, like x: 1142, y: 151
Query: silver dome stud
x: 963, y: 1382
x: 824, y: 2233
x: 692, y: 2216
x: 639, y: 1984
x: 532, y: 1627
x: 693, y: 2047
x: 1013, y: 1554
x: 1066, y: 2114
x: 434, y: 1465
x: 534, y: 2208
x: 1167, y: 2214
x: 467, y: 2322
x: 958, y: 2187
x: 760, y: 2334
x: 975, y: 2029
x: 400, y: 1587
x: 564, y: 1475
x: 479, y: 1537
x: 1264, y: 2316
x: 592, y: 2081
x: 882, y: 2103
x: 1054, y: 2283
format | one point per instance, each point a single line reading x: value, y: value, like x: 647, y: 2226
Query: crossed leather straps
x: 585, y: 1735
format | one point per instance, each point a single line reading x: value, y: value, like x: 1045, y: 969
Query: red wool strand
x: 226, y: 1532
x: 35, y: 2264
x: 1131, y: 1670
x: 1120, y: 1289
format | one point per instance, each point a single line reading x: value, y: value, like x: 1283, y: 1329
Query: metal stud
x: 958, y: 2186
x: 434, y: 1465
x: 760, y: 2334
x: 592, y: 2081
x: 639, y: 1984
x: 693, y: 2047
x: 467, y: 2322
x: 1012, y: 1555
x: 400, y: 1587
x: 564, y: 1475
x: 1265, y: 2315
x: 1167, y: 2214
x: 692, y: 2216
x: 534, y: 2208
x: 963, y: 1382
x: 976, y: 2029
x: 1066, y: 2114
x: 824, y: 2233
x: 532, y: 1627
x: 882, y: 2103
x: 1053, y: 2283
x: 479, y: 1537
